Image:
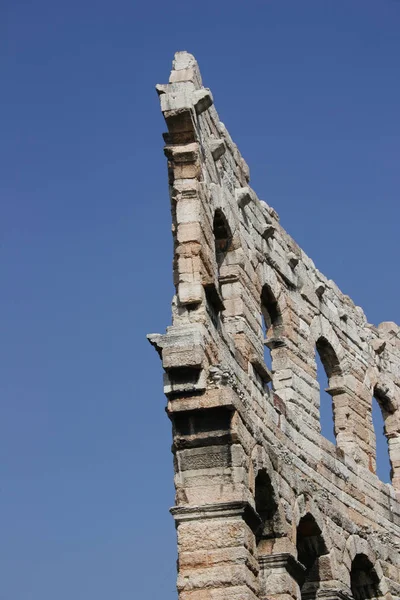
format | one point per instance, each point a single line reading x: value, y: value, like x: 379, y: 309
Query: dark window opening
x: 192, y: 422
x: 214, y: 304
x: 270, y: 308
x: 310, y: 547
x: 264, y: 496
x: 266, y: 506
x: 222, y: 237
x: 184, y: 375
x: 379, y: 413
x: 364, y: 580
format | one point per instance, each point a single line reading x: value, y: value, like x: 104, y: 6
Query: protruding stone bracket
x: 217, y: 511
x: 161, y: 88
x: 243, y: 196
x: 202, y: 100
x: 336, y: 390
x: 283, y: 561
x: 155, y: 341
x: 268, y: 232
x: 293, y: 260
x: 187, y: 153
x: 181, y: 126
x: 275, y: 342
x: 218, y: 148
x: 184, y: 381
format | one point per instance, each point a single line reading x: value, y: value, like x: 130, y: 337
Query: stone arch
x: 364, y: 581
x: 382, y: 382
x: 335, y: 364
x: 218, y: 202
x: 271, y: 324
x: 321, y: 329
x: 267, y: 277
x: 381, y: 387
x: 357, y: 546
x: 223, y: 228
x: 222, y: 236
x: 274, y: 317
x: 274, y: 549
x: 305, y: 504
x: 264, y: 486
x: 314, y: 548
x: 271, y: 310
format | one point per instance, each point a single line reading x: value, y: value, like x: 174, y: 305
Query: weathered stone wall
x: 266, y: 507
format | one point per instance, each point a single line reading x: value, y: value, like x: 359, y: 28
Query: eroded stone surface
x: 265, y: 506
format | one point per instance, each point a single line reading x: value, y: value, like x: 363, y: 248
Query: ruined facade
x: 266, y: 507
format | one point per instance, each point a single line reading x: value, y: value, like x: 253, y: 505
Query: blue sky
x: 310, y: 91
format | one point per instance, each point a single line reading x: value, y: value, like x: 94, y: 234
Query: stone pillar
x: 280, y: 575
x: 216, y: 552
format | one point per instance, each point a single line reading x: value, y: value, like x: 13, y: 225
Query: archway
x: 310, y: 548
x: 364, y: 579
x: 222, y: 237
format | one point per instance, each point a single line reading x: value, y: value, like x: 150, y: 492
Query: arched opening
x: 222, y: 243
x: 381, y: 409
x: 271, y: 322
x: 222, y: 237
x: 364, y: 580
x: 310, y: 547
x: 271, y: 526
x: 328, y: 369
x: 266, y: 506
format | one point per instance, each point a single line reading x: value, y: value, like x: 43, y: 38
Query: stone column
x: 280, y: 575
x: 216, y: 548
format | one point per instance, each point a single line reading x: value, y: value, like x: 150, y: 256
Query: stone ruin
x: 266, y: 507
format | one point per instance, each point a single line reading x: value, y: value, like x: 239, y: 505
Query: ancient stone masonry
x: 266, y: 507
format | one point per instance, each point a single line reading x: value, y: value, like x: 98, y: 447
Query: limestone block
x: 178, y: 99
x: 217, y: 148
x: 189, y: 232
x: 182, y: 75
x: 202, y: 100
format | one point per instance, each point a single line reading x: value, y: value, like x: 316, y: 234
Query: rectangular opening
x: 184, y: 375
x: 214, y: 303
x: 209, y: 420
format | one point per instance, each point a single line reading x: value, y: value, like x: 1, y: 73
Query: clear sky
x: 310, y: 91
